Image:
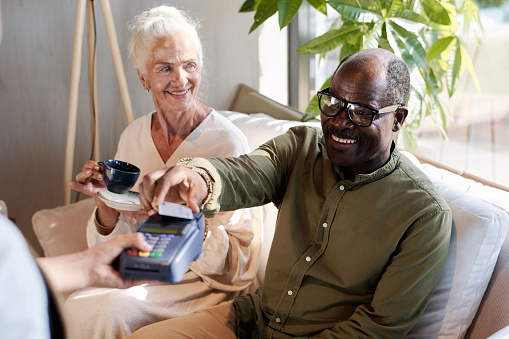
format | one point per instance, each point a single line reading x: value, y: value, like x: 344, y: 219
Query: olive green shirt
x: 349, y: 259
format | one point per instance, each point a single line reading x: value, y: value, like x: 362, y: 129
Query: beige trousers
x: 217, y: 322
x: 109, y: 313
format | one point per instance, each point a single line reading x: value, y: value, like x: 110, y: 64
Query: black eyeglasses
x: 360, y: 115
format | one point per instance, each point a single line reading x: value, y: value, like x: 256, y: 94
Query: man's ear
x: 146, y: 86
x: 399, y: 118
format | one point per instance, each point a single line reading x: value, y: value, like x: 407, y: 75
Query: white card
x: 175, y: 210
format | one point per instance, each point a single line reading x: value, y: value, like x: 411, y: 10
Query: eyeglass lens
x: 331, y: 106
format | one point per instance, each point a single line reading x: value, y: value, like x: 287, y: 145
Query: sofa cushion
x: 478, y: 234
x: 61, y: 230
x: 260, y: 127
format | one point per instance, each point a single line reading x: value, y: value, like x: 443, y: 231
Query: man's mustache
x: 342, y: 133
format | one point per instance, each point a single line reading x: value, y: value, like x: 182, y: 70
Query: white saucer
x: 125, y: 202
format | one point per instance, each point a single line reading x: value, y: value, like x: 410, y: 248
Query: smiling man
x: 361, y: 236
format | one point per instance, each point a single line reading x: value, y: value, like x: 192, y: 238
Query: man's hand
x: 178, y: 184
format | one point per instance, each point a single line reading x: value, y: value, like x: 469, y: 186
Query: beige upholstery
x: 62, y: 230
x: 493, y: 313
x: 248, y: 100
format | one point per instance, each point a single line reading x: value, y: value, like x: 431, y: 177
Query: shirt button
x: 308, y: 258
x: 290, y: 292
x: 278, y: 320
x: 324, y: 224
x: 342, y: 187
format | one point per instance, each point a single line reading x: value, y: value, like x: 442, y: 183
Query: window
x: 478, y: 142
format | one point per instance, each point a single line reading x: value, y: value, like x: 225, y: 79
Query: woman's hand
x: 178, y: 184
x: 90, y: 180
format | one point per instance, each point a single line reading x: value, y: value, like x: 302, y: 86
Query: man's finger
x: 164, y: 185
x: 191, y: 203
x: 147, y: 188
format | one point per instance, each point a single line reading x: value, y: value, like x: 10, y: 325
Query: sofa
x: 470, y: 300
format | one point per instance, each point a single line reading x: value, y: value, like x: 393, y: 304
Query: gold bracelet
x: 206, y: 230
x: 205, y: 175
x: 104, y: 230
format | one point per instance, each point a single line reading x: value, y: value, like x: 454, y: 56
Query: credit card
x: 175, y: 210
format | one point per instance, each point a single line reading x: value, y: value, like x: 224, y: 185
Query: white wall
x: 35, y: 72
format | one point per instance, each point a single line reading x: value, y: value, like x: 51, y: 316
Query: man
x: 361, y: 235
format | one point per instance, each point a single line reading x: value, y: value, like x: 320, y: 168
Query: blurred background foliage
x: 429, y: 35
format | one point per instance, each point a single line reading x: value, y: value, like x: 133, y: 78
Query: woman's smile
x: 180, y: 93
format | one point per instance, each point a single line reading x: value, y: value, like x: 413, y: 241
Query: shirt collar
x: 385, y: 170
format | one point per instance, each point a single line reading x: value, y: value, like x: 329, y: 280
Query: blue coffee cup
x: 119, y: 176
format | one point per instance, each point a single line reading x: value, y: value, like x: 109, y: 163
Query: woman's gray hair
x: 156, y: 23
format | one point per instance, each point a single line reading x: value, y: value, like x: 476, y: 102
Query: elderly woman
x: 167, y: 53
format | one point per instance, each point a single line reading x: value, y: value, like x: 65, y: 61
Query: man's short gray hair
x: 397, y: 76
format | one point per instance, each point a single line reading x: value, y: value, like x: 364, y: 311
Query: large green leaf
x: 465, y: 60
x: 265, y: 9
x: 396, y: 45
x: 437, y: 112
x: 411, y: 16
x: 470, y: 12
x: 319, y: 5
x: 372, y: 37
x: 367, y: 5
x: 357, y: 10
x: 436, y: 12
x: 312, y: 110
x: 418, y: 83
x: 412, y: 45
x: 433, y: 110
x: 453, y: 72
x: 395, y: 6
x: 249, y: 6
x: 431, y: 83
x: 349, y: 48
x: 287, y: 10
x: 443, y: 114
x: 329, y: 41
x: 439, y: 46
x: 384, y: 43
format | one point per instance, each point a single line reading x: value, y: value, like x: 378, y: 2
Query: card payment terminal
x: 176, y: 243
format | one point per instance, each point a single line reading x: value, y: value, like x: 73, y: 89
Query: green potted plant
x: 423, y: 33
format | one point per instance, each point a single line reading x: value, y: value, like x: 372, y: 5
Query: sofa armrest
x: 492, y: 318
x: 62, y: 230
x: 502, y: 334
x: 248, y: 100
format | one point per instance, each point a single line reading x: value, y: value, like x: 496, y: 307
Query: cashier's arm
x: 92, y: 267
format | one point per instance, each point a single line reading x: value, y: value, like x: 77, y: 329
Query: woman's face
x: 173, y: 73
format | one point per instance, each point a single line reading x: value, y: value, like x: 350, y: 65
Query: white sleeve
x: 24, y: 300
x: 231, y: 251
x: 125, y: 225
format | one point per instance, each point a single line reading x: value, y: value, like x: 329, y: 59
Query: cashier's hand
x: 92, y: 267
x: 178, y: 184
x: 100, y: 259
